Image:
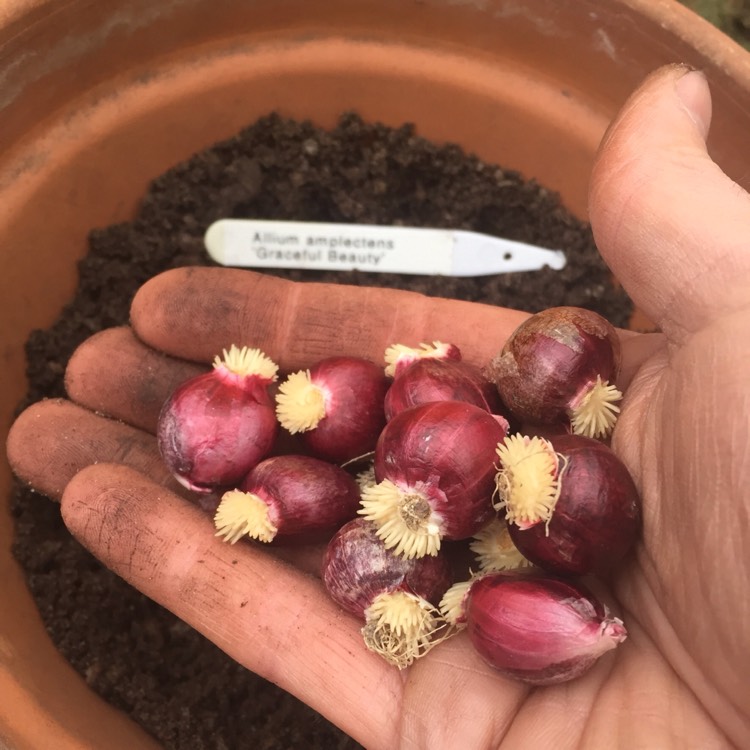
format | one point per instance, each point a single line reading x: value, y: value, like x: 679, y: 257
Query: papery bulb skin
x: 287, y: 498
x: 216, y: 426
x: 560, y: 366
x: 336, y: 407
x: 597, y: 515
x: 434, y: 464
x: 538, y: 629
x: 426, y: 380
x: 396, y: 598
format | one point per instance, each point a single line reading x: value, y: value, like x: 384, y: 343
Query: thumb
x: 672, y: 226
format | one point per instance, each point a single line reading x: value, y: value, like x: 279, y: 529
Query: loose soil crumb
x: 139, y: 657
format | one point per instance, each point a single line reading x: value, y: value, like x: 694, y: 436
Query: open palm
x: 671, y: 225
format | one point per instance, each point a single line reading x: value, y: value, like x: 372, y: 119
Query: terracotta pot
x: 97, y: 98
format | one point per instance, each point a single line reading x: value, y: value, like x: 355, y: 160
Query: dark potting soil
x: 139, y: 657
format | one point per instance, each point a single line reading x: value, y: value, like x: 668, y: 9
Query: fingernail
x: 692, y: 90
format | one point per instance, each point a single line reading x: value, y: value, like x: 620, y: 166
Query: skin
x: 675, y: 230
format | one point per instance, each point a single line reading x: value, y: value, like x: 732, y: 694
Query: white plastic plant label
x: 250, y: 243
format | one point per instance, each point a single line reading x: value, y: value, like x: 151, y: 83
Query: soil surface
x: 139, y: 657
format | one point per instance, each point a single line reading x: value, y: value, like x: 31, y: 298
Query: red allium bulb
x: 434, y: 464
x: 286, y: 497
x: 595, y: 517
x: 399, y: 356
x: 216, y: 426
x: 560, y: 365
x: 394, y: 596
x: 531, y: 626
x: 494, y: 549
x: 336, y: 406
x: 426, y: 380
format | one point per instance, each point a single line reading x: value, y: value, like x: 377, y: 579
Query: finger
x: 267, y: 616
x: 195, y: 313
x: 114, y: 373
x: 296, y: 324
x: 53, y: 440
x: 671, y: 225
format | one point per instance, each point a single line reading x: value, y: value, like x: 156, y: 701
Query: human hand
x: 671, y: 226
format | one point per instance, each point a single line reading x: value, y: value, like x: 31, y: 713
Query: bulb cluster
x: 388, y: 462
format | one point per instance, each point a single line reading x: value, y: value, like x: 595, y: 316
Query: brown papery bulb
x: 560, y: 366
